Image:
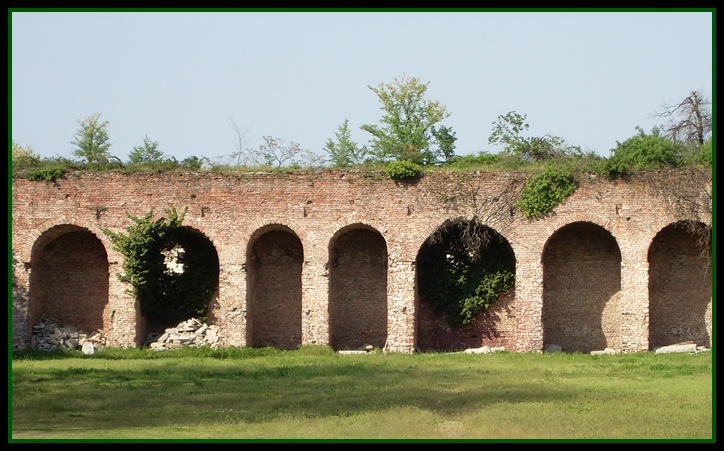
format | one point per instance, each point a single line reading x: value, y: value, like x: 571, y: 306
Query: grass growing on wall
x: 316, y: 393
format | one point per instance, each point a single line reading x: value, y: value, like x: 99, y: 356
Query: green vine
x: 462, y: 283
x: 544, y: 192
x: 166, y: 297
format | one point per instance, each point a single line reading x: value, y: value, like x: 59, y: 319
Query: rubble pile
x: 49, y: 335
x: 191, y: 332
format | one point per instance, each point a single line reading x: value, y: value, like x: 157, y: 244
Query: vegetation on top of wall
x: 644, y: 151
x: 401, y: 170
x: 49, y: 174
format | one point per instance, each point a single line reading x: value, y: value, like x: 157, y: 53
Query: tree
x: 243, y: 155
x: 445, y: 138
x: 148, y: 153
x: 92, y: 140
x: 406, y: 130
x: 690, y: 121
x: 276, y: 152
x: 507, y: 131
x: 344, y: 152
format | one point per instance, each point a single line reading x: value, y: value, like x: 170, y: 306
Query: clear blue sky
x: 178, y: 77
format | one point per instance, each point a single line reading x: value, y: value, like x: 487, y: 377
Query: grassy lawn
x: 243, y: 393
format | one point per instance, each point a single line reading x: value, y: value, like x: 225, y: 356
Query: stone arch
x: 495, y: 327
x: 274, y: 260
x: 680, y: 292
x: 69, y: 278
x: 357, y: 268
x: 582, y: 289
x: 190, y: 278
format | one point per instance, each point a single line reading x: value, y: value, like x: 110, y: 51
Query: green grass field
x: 244, y: 393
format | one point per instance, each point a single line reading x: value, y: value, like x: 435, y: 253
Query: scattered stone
x: 364, y: 349
x: 691, y: 347
x: 158, y: 346
x: 605, y: 351
x: 191, y: 332
x: 483, y: 350
x: 49, y: 334
x: 88, y: 348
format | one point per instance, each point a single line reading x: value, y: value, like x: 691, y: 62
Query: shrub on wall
x: 544, y: 192
x: 644, y: 152
x: 47, y: 174
x: 401, y: 170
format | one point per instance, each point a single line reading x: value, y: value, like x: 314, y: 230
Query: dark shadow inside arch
x: 69, y: 278
x: 274, y: 288
x: 680, y: 292
x: 581, y: 289
x: 357, y: 289
x: 433, y: 330
x: 186, y: 280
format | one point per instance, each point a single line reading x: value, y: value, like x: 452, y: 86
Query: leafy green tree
x: 507, y: 131
x: 344, y: 152
x: 644, y: 151
x: 148, y: 153
x: 92, y: 140
x: 445, y: 138
x: 405, y: 132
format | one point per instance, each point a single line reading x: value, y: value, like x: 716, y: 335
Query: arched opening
x: 680, y: 293
x: 183, y: 281
x: 69, y: 278
x: 465, y: 283
x: 357, y: 288
x: 581, y: 289
x: 274, y: 288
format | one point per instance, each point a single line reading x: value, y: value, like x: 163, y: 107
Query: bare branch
x: 690, y: 121
x: 478, y: 211
x: 243, y: 155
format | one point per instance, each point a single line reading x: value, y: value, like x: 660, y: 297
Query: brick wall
x: 592, y: 274
x: 358, y: 290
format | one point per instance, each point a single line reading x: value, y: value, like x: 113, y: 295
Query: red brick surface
x: 587, y: 275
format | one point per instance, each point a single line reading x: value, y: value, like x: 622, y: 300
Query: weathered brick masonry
x: 329, y: 257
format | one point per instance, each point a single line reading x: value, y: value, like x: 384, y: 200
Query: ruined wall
x: 284, y: 290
